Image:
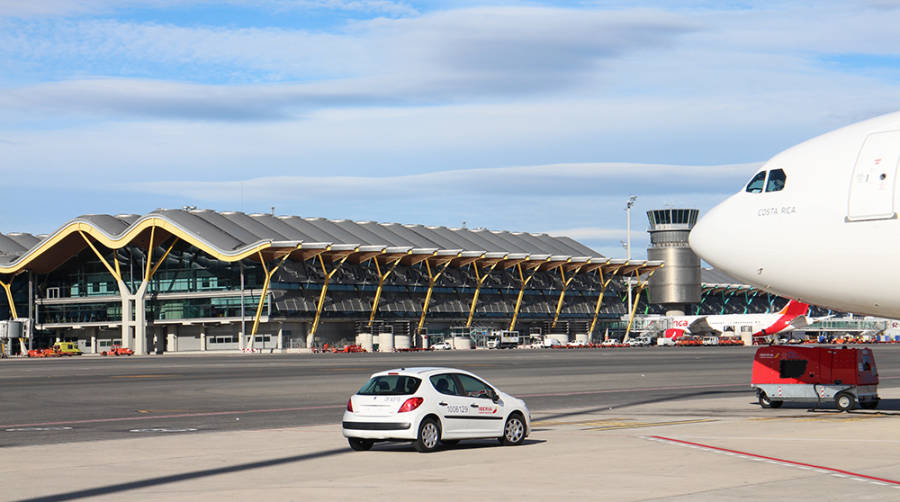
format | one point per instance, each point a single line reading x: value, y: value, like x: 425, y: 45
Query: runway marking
x: 545, y: 423
x: 179, y: 415
x: 822, y: 418
x: 631, y: 389
x: 639, y: 425
x: 142, y: 376
x: 32, y: 429
x: 618, y: 423
x: 824, y: 440
x: 840, y: 473
x: 163, y: 430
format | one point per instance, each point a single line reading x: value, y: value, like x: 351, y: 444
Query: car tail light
x: 410, y: 404
x: 350, y: 404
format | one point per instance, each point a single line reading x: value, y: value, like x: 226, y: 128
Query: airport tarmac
x: 654, y: 451
x: 709, y: 446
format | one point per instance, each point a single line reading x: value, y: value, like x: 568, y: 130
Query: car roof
x: 423, y: 372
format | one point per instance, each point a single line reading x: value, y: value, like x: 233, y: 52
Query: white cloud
x: 450, y: 56
x: 533, y: 182
x: 589, y: 233
x: 40, y: 8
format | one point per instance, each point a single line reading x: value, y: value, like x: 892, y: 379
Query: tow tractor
x: 846, y: 377
x: 116, y: 350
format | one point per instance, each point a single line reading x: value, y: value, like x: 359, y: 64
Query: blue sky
x: 526, y: 116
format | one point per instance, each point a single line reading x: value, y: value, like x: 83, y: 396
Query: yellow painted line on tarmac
x: 142, y: 376
x: 592, y: 421
x: 824, y: 418
x: 618, y: 423
x: 639, y: 425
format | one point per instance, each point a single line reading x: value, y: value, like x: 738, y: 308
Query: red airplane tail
x: 794, y: 309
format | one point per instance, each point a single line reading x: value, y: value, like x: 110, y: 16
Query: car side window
x: 756, y: 184
x: 473, y: 387
x: 776, y: 181
x: 445, y: 384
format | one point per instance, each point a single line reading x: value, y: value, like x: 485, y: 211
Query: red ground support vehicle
x: 115, y: 350
x: 846, y: 377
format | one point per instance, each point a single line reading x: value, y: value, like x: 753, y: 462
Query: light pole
x: 631, y: 199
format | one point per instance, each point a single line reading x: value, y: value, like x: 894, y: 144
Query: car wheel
x: 360, y: 444
x: 764, y: 401
x: 843, y: 401
x: 513, y: 431
x: 429, y: 436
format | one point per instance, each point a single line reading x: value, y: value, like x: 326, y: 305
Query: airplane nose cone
x: 708, y: 235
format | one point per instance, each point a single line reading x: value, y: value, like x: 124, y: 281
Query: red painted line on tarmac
x: 633, y: 389
x: 779, y: 460
x: 179, y: 415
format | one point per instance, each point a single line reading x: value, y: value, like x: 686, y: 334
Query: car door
x: 453, y: 406
x: 485, y: 416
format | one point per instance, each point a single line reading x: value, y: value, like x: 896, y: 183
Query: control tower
x: 677, y: 285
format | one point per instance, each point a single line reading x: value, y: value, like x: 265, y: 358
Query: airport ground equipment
x: 503, y: 339
x: 116, y: 350
x: 846, y: 377
x: 59, y: 349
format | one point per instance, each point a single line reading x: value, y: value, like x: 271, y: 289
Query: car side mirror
x: 494, y: 396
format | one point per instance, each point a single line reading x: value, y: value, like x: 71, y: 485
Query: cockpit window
x: 756, y: 184
x: 776, y: 180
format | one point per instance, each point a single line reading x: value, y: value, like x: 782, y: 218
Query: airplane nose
x: 708, y: 235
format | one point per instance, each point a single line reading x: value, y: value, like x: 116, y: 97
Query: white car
x: 431, y: 406
x: 442, y: 346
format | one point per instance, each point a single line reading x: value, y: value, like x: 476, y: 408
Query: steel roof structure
x: 271, y: 240
x: 232, y: 236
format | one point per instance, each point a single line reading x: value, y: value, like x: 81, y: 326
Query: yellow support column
x: 149, y: 254
x: 7, y: 286
x: 604, y: 282
x: 524, y: 280
x: 161, y: 260
x: 262, y: 297
x: 381, y: 279
x: 480, y: 279
x: 115, y: 273
x: 321, y: 305
x: 562, y: 294
x: 432, y: 280
x: 637, y: 298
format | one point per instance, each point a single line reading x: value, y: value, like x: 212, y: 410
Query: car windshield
x: 390, y: 385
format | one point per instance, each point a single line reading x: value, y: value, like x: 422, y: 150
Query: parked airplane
x: 792, y: 316
x: 818, y: 222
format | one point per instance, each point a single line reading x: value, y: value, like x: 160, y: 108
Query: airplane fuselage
x: 828, y: 234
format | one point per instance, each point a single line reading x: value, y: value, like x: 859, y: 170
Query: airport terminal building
x: 195, y: 280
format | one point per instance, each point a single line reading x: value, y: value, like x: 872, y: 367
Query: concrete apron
x: 733, y: 450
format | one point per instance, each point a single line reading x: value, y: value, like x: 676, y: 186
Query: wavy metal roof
x: 233, y: 236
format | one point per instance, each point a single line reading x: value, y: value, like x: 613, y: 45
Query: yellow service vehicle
x: 67, y: 348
